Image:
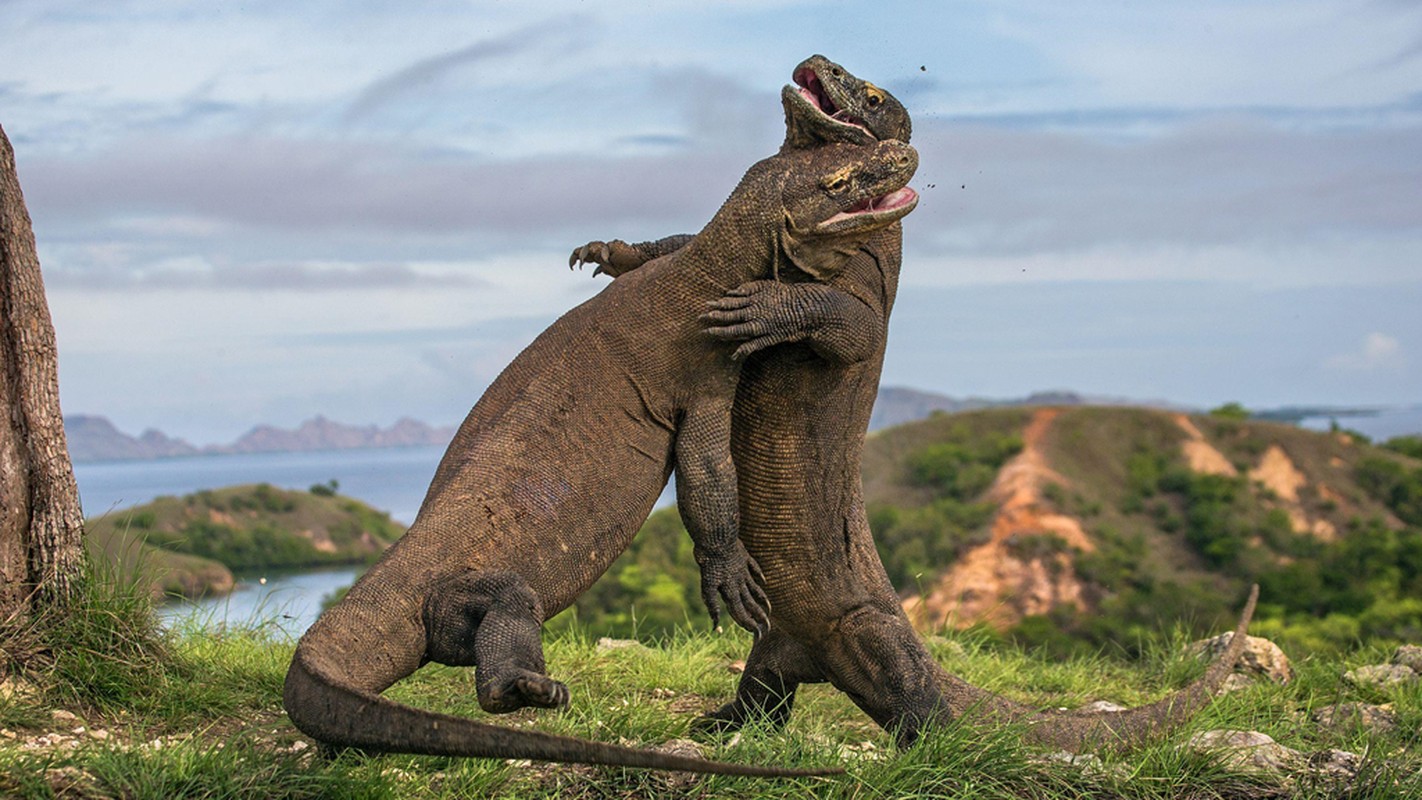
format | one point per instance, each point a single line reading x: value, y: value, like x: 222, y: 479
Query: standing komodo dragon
x: 799, y: 420
x: 557, y: 466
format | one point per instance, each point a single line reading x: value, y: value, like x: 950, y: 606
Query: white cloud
x: 1379, y: 352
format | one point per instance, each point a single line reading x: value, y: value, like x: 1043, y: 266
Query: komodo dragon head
x: 828, y: 104
x: 835, y: 196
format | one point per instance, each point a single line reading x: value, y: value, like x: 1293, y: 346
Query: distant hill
x: 1095, y: 526
x: 319, y: 433
x: 897, y: 405
x: 94, y: 438
x: 191, y: 545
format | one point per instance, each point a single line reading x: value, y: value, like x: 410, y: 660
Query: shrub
x: 1407, y: 445
x: 1231, y: 411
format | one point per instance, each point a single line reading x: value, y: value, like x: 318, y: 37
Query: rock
x: 606, y: 643
x: 1251, y: 751
x: 1410, y: 656
x: 1246, y: 751
x: 679, y: 781
x: 681, y: 747
x: 1236, y: 682
x: 16, y: 689
x: 1377, y: 719
x: 1334, y: 766
x: 60, y: 715
x: 71, y: 782
x: 736, y: 667
x: 1102, y: 706
x: 863, y: 750
x: 1380, y: 676
x: 1260, y: 656
x: 1090, y: 765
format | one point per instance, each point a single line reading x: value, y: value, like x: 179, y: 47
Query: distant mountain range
x: 94, y: 438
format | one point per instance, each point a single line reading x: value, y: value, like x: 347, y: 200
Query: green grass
x: 196, y: 713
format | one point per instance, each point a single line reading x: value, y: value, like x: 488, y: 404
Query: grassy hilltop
x: 191, y: 545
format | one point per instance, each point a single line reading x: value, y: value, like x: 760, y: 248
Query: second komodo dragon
x: 799, y: 420
x: 556, y: 467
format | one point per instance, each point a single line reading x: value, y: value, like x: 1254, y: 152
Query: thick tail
x: 334, y: 714
x: 1077, y: 731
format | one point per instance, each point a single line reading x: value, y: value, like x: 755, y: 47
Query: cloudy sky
x: 262, y: 211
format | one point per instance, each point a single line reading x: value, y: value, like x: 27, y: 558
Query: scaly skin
x: 522, y: 515
x: 798, y: 430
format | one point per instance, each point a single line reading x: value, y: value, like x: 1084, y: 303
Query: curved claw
x: 730, y: 302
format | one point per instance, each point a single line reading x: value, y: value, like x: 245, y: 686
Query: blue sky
x: 263, y: 211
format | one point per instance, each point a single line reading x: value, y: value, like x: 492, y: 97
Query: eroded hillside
x: 1138, y: 517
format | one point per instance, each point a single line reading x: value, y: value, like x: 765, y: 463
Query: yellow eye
x: 836, y: 183
x: 875, y: 94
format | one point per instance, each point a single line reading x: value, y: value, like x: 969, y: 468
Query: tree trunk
x: 41, y: 528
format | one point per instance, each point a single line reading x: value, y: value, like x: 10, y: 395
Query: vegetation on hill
x: 1339, y: 562
x: 190, y: 545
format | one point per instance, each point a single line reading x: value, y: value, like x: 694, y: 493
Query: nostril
x: 837, y: 72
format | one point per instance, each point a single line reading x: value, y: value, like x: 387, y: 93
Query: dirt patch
x: 1279, y: 475
x: 991, y: 583
x: 1199, y: 453
x: 320, y: 540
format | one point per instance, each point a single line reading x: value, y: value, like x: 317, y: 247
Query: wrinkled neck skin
x: 743, y: 241
x: 806, y: 131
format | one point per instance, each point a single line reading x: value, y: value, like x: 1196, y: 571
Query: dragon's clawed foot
x: 716, y: 723
x: 733, y: 576
x: 758, y: 314
x: 612, y: 258
x: 527, y: 688
x: 542, y: 691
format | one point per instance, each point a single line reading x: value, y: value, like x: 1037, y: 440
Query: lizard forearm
x: 616, y: 257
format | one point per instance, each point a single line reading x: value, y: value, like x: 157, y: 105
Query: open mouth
x: 892, y: 205
x: 814, y: 91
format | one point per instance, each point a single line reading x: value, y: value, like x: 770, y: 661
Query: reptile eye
x: 875, y: 100
x: 837, y: 185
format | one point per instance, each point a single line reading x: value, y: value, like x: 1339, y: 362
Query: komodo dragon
x: 522, y: 515
x: 799, y: 420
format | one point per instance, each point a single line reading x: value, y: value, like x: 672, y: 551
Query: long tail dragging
x: 337, y: 715
x: 1077, y: 731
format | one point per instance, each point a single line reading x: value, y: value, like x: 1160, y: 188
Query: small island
x: 190, y: 546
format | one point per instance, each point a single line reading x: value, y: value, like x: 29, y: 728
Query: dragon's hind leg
x: 491, y: 621
x: 775, y: 668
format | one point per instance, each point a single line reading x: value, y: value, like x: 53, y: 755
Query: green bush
x: 965, y: 465
x: 1407, y: 445
x: 1231, y: 411
x: 255, y: 547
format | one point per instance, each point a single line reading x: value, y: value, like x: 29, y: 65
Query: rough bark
x: 41, y: 527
